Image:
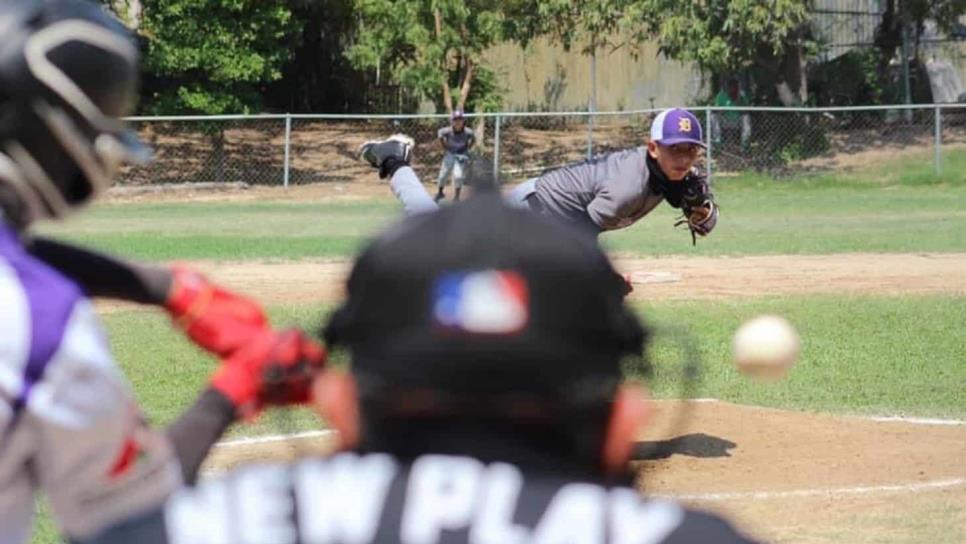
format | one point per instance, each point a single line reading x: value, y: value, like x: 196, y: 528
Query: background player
x: 456, y: 141
x: 611, y: 191
x: 69, y: 424
x: 481, y: 405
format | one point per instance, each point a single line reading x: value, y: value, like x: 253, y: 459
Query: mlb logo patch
x: 483, y: 302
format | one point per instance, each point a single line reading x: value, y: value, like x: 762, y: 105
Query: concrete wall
x: 545, y: 77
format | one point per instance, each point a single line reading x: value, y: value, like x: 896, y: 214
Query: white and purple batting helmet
x: 676, y: 126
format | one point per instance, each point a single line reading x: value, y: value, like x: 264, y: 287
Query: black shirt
x: 435, y: 499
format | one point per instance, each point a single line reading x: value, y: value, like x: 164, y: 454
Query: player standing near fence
x: 69, y: 424
x: 481, y: 406
x: 609, y: 192
x: 456, y: 141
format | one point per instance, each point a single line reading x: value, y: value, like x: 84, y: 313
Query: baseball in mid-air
x: 766, y: 347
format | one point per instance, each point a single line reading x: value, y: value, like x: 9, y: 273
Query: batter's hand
x: 215, y: 319
x: 271, y: 369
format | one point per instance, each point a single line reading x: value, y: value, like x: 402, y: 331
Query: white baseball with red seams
x: 766, y: 347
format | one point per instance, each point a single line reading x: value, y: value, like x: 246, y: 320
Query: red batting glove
x: 215, y: 319
x: 271, y: 369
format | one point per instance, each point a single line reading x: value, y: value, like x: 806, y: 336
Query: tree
x: 318, y: 77
x: 771, y: 37
x: 128, y: 11
x: 592, y: 22
x: 214, y: 56
x: 432, y: 48
x: 912, y: 15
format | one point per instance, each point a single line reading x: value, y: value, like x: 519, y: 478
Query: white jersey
x: 69, y: 425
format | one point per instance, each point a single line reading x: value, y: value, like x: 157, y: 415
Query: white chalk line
x: 914, y: 420
x: 273, y: 438
x: 917, y: 487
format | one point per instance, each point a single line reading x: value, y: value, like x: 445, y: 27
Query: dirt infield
x: 802, y: 477
x: 786, y: 476
x: 666, y: 278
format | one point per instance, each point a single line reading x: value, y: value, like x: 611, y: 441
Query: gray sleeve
x: 472, y: 138
x: 409, y: 190
x: 442, y: 133
x: 195, y: 432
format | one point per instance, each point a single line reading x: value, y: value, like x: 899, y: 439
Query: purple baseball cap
x: 457, y: 114
x: 676, y: 126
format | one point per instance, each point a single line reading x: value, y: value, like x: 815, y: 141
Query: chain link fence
x: 302, y: 149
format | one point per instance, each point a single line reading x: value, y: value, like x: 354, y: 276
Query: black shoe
x: 439, y: 196
x: 388, y: 155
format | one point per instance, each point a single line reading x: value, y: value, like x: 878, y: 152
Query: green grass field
x: 895, y: 355
x: 815, y: 215
x: 865, y: 355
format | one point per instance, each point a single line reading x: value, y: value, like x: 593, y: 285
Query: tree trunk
x: 888, y: 35
x: 789, y: 71
x: 447, y: 95
x: 479, y: 132
x: 792, y: 84
x: 466, y: 83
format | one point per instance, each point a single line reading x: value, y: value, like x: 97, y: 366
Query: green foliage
x: 830, y: 214
x: 212, y: 56
x: 400, y: 41
x: 719, y: 35
x: 798, y: 138
x: 592, y: 22
x: 487, y: 94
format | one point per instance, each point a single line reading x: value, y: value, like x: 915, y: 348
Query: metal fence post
x: 707, y: 140
x: 938, y: 140
x: 592, y: 103
x: 496, y: 148
x: 288, y: 145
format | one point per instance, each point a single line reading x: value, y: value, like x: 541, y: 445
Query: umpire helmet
x: 481, y: 312
x: 68, y: 73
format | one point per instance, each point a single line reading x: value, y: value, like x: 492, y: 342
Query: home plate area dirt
x: 780, y: 475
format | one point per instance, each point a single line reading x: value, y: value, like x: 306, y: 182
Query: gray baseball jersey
x: 609, y: 192
x: 458, y: 143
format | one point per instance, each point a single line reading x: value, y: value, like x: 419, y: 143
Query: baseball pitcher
x: 609, y: 192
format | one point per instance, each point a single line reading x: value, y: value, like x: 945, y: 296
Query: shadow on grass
x: 692, y: 445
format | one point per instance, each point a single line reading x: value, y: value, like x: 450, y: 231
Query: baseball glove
x: 700, y: 213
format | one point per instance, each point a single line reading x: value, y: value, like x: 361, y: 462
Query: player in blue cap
x: 608, y: 192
